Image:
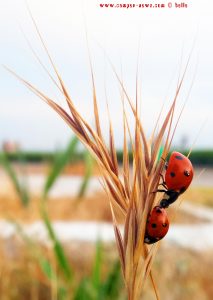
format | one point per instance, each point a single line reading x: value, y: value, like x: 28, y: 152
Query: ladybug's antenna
x: 196, y: 138
x: 200, y: 173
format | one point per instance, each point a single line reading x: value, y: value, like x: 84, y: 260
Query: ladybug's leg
x: 166, y: 163
x: 160, y: 191
x: 163, y: 181
x: 164, y: 185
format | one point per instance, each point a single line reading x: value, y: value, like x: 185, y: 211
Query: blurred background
x: 56, y: 236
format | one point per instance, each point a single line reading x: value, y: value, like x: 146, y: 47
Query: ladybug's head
x: 158, y: 209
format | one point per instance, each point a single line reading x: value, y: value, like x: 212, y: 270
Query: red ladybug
x: 157, y: 225
x: 179, y: 175
x: 179, y: 172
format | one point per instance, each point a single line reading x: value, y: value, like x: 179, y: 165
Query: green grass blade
x: 24, y: 195
x: 96, y: 273
x: 45, y: 265
x: 61, y: 161
x: 85, y: 291
x: 160, y: 153
x: 63, y: 294
x: 21, y: 189
x: 58, y: 249
x: 89, y: 163
x: 112, y: 286
x: 47, y: 268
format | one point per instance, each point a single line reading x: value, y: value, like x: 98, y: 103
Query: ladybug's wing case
x: 179, y: 172
x: 157, y: 225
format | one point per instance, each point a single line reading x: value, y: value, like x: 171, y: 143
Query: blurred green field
x: 198, y: 157
x: 80, y: 270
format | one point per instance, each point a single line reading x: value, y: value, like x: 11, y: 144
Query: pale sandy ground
x: 192, y: 236
x: 185, y: 235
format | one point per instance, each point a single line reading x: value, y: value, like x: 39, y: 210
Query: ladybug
x: 179, y: 175
x: 157, y: 225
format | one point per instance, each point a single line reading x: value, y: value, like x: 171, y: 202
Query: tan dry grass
x: 71, y: 209
x: 179, y: 272
x: 200, y: 195
x: 133, y: 198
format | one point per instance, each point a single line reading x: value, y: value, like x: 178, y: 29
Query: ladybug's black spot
x: 164, y: 224
x: 158, y: 210
x: 154, y: 225
x: 172, y: 174
x: 186, y: 173
x: 179, y: 157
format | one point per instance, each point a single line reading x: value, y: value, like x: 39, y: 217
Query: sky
x: 156, y: 40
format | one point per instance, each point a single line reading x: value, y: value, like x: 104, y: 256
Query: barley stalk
x: 132, y: 195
